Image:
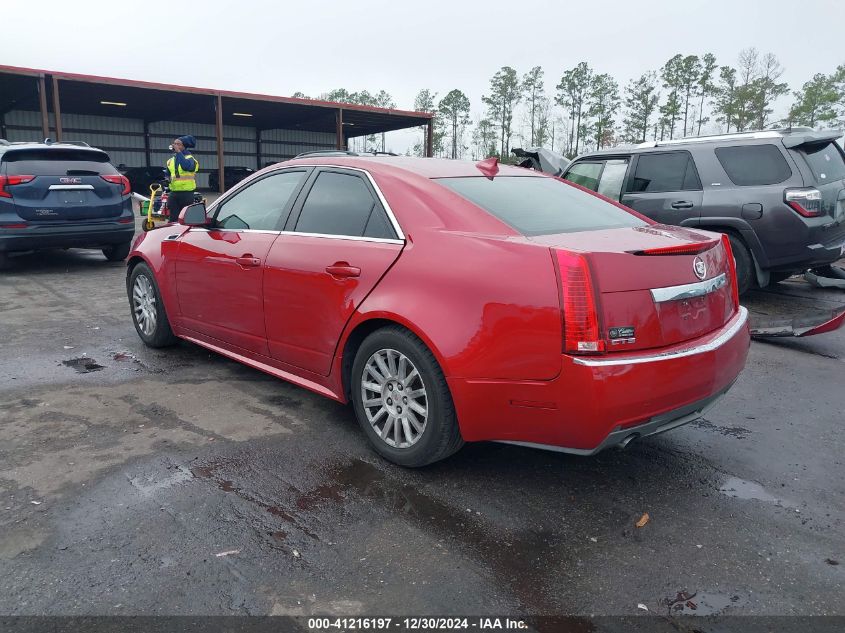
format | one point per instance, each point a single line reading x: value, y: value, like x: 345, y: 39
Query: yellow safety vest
x: 182, y: 180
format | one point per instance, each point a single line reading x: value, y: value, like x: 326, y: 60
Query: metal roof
x: 84, y: 94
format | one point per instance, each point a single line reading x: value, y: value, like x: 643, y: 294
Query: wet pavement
x: 138, y: 481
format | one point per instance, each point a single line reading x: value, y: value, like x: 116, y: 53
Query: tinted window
x: 585, y: 174
x: 57, y: 162
x: 748, y: 165
x: 673, y: 171
x: 342, y: 204
x: 825, y: 161
x: 612, y: 178
x: 261, y: 204
x: 540, y: 206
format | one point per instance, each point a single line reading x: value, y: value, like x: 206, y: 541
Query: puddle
x: 701, y: 603
x: 741, y: 489
x: 83, y: 365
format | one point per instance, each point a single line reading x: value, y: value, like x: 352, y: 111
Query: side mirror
x: 194, y: 215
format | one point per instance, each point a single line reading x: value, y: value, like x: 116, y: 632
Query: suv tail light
x: 581, y: 331
x: 729, y: 255
x: 807, y: 201
x: 8, y: 181
x: 118, y: 179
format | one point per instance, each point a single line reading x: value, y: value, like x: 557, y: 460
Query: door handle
x: 248, y: 261
x: 343, y: 269
x: 682, y: 204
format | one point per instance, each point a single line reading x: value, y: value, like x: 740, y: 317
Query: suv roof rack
x: 49, y: 141
x: 341, y: 152
x: 773, y: 133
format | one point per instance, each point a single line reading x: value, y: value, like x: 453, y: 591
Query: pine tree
x: 640, y: 105
x: 603, y: 104
x: 454, y: 108
x: 572, y: 92
x: 504, y: 95
x: 816, y: 102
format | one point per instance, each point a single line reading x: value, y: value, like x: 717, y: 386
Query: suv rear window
x: 57, y: 162
x: 750, y: 165
x: 540, y: 206
x: 825, y: 162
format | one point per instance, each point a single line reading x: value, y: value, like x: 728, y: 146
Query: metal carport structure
x: 136, y: 120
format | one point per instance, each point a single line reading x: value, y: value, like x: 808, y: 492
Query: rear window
x: 750, y: 165
x: 825, y: 162
x: 57, y: 162
x: 540, y: 206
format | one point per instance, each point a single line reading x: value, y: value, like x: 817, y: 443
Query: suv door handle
x: 682, y: 204
x: 248, y: 261
x: 343, y: 269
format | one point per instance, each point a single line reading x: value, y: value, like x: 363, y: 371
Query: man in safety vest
x: 183, y: 168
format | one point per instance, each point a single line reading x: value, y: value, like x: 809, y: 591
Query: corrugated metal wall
x: 123, y: 139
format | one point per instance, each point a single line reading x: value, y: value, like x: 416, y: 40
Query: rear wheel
x: 402, y: 400
x: 118, y: 252
x: 148, y: 313
x: 744, y: 264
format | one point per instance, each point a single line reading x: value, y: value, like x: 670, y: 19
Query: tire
x: 411, y: 439
x: 745, y: 275
x: 4, y: 262
x: 118, y: 252
x: 147, y: 308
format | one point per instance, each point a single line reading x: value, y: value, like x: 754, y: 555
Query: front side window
x: 670, y: 171
x: 342, y: 204
x: 585, y: 174
x: 540, y: 206
x: 612, y: 178
x: 260, y: 205
x: 750, y: 165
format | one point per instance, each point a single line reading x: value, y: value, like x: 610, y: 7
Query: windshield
x: 540, y: 206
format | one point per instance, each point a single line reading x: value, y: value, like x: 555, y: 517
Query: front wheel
x: 148, y: 313
x: 402, y: 400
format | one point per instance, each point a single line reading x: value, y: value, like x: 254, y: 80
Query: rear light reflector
x: 9, y: 181
x: 683, y: 249
x: 729, y: 255
x: 126, y: 220
x: 806, y: 202
x: 581, y: 331
x: 19, y: 225
x: 117, y: 179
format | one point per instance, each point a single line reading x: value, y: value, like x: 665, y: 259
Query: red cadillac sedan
x: 451, y: 302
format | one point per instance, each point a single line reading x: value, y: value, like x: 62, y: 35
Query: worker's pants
x: 178, y: 200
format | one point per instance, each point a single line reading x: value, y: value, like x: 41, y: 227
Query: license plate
x: 73, y: 197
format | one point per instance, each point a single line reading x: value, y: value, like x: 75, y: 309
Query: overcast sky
x: 281, y: 47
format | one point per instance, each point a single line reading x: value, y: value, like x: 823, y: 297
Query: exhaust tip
x: 624, y: 443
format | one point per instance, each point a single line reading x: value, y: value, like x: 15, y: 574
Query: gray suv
x: 779, y: 195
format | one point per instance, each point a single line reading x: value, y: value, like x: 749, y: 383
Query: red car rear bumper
x: 596, y: 402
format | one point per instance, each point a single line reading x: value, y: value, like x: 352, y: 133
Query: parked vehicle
x: 779, y: 195
x: 231, y: 177
x: 541, y: 159
x: 451, y: 302
x: 62, y: 195
x: 140, y: 178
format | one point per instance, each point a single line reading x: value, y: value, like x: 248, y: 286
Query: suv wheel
x: 118, y: 252
x: 401, y: 399
x: 148, y: 313
x: 744, y: 264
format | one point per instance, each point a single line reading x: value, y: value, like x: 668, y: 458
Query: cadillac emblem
x: 699, y: 267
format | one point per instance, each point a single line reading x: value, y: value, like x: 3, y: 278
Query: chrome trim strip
x: 688, y: 291
x: 71, y: 187
x: 740, y: 320
x: 355, y: 238
x: 391, y: 216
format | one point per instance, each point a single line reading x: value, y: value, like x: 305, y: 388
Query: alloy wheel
x: 144, y: 305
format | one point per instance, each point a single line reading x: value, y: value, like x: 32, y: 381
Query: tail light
x: 117, y: 179
x: 807, y: 201
x: 9, y: 181
x: 729, y: 255
x: 581, y: 331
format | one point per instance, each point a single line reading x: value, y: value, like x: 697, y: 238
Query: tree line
x: 588, y: 110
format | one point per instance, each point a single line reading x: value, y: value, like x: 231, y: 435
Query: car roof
x: 791, y: 137
x: 425, y: 167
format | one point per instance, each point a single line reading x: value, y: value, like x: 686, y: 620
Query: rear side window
x: 585, y: 174
x: 57, y: 162
x: 342, y: 204
x: 750, y: 165
x: 540, y: 206
x: 825, y: 161
x: 671, y: 171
